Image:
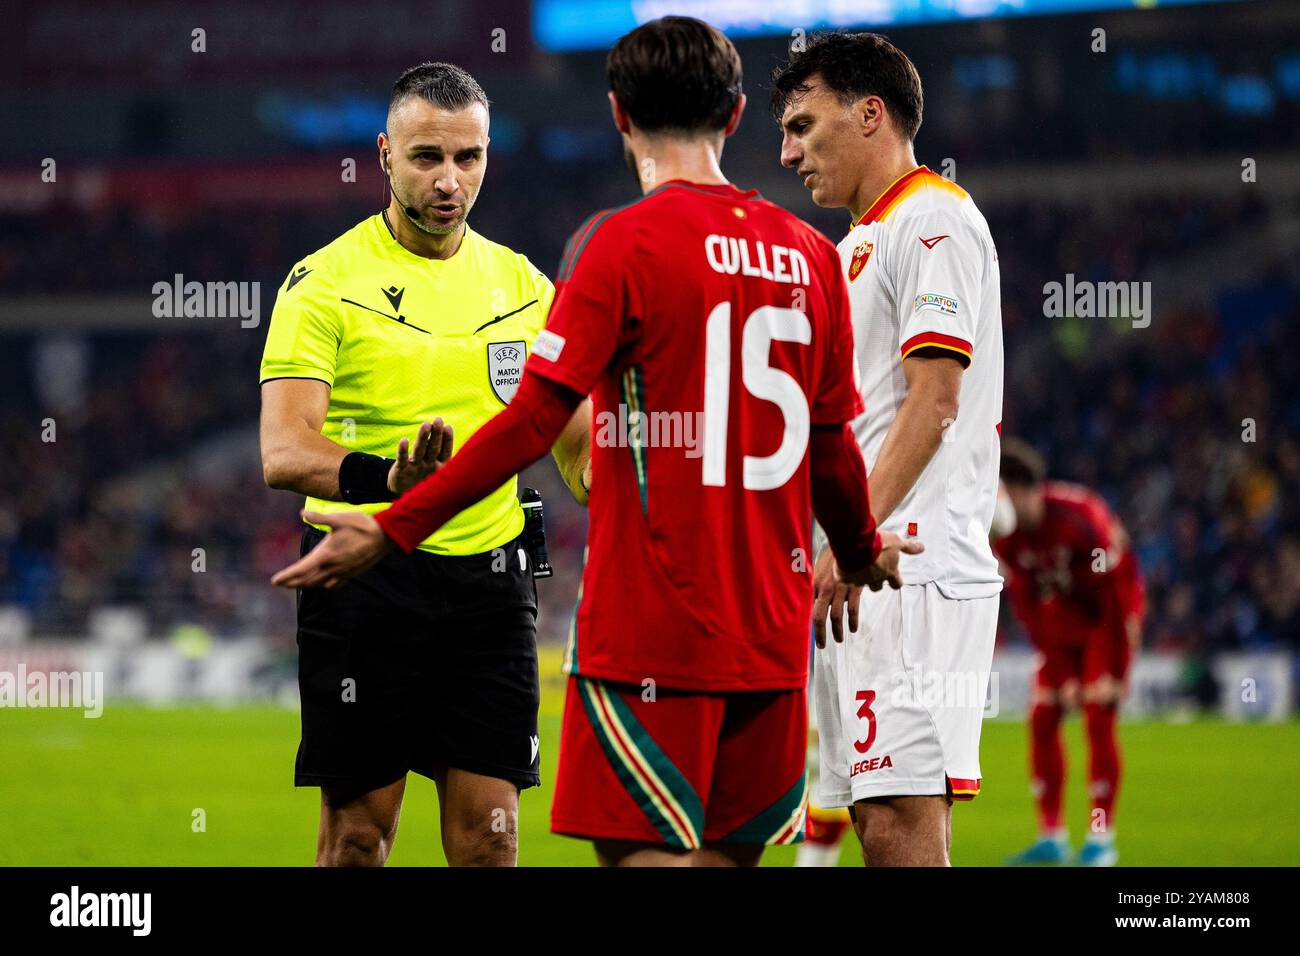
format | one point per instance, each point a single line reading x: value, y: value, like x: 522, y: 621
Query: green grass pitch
x: 122, y: 790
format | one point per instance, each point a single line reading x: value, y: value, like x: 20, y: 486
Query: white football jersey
x: 922, y: 272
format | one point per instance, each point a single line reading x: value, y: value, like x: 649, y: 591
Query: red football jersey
x: 711, y: 329
x: 1073, y: 577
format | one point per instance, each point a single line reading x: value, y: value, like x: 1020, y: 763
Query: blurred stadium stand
x: 229, y: 170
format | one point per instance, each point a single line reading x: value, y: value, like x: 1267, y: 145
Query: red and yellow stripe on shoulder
x: 906, y: 185
x: 936, y: 340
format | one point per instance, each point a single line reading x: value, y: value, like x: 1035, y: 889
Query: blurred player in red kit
x: 685, y: 719
x: 1076, y: 588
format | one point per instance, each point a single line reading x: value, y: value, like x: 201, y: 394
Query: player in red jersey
x: 698, y: 310
x: 1076, y: 588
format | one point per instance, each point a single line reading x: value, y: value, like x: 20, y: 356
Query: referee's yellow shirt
x: 401, y: 339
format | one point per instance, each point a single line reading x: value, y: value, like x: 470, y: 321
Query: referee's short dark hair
x: 443, y: 84
x: 1021, y: 465
x: 675, y: 75
x: 854, y: 65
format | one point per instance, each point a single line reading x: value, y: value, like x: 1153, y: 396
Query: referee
x: 426, y: 662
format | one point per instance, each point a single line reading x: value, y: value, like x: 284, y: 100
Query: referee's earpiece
x: 411, y: 211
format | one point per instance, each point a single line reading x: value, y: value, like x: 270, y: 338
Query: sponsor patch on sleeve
x: 548, y: 345
x: 939, y: 303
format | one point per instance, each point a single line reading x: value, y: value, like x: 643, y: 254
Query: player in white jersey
x: 901, y: 700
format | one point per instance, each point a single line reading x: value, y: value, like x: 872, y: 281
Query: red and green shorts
x: 681, y: 768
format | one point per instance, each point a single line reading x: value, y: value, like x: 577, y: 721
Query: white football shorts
x: 900, y: 702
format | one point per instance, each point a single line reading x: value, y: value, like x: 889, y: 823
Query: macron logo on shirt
x: 548, y: 345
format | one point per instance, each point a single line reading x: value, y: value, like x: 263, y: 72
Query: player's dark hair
x: 854, y: 65
x: 442, y: 84
x: 1021, y: 465
x: 675, y: 74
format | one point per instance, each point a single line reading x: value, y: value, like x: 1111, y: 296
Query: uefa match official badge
x: 859, y: 261
x: 506, y: 367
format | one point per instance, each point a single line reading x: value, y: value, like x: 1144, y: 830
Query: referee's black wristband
x: 363, y: 478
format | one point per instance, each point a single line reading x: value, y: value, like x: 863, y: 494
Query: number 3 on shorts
x: 868, y: 697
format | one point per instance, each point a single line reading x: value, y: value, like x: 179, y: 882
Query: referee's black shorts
x: 424, y: 661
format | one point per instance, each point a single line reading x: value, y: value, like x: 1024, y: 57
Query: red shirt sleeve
x: 840, y: 497
x: 1132, y: 589
x: 1097, y: 558
x: 1124, y: 595
x: 595, y: 296
x: 514, y: 439
x: 839, y: 395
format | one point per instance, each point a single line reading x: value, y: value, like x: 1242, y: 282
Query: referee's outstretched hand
x: 355, y: 543
x: 433, y: 444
